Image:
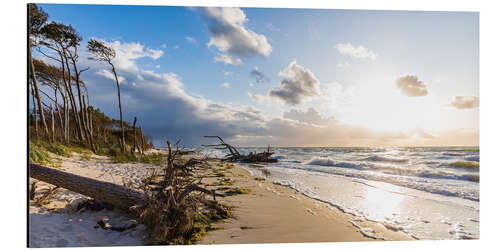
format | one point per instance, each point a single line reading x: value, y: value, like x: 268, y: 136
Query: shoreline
x: 263, y: 212
x: 272, y: 213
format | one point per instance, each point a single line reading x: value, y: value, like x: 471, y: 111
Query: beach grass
x: 38, y: 154
x: 156, y: 159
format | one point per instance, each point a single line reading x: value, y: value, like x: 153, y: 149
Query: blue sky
x: 348, y: 77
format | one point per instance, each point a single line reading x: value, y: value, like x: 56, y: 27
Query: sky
x: 286, y: 77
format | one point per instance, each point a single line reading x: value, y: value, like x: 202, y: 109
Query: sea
x: 430, y: 193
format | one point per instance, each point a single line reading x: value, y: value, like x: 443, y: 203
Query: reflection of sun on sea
x: 382, y: 204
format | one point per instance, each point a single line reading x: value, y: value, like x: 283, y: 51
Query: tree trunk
x: 87, y: 126
x: 52, y: 122
x: 135, y: 136
x: 83, y: 109
x: 34, y: 110
x: 37, y: 93
x: 66, y: 120
x: 72, y: 99
x: 141, y: 140
x: 120, y: 106
x: 117, y: 195
x: 58, y: 110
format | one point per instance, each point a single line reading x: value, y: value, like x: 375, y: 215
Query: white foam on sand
x: 421, y: 214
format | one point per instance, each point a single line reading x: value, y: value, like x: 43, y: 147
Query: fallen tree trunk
x: 119, y: 196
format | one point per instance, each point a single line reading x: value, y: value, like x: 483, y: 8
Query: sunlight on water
x: 380, y: 204
x: 428, y: 192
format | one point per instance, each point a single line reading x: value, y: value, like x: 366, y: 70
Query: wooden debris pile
x: 168, y: 204
x: 234, y: 154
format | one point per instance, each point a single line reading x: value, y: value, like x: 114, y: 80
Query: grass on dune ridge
x: 39, y: 153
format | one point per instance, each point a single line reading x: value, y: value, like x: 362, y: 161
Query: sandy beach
x: 263, y: 213
x: 271, y: 213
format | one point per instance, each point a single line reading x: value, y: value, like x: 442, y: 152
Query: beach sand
x: 271, y: 213
x: 268, y: 213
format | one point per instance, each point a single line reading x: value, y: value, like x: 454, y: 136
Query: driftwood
x: 167, y: 204
x: 117, y: 195
x: 234, y: 155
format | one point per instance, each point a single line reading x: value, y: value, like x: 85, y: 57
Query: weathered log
x: 117, y: 195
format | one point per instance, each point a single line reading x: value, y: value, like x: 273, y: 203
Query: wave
x: 471, y: 165
x: 384, y: 159
x: 473, y: 158
x: 327, y: 162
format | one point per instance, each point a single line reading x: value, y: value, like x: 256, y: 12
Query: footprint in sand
x: 310, y: 211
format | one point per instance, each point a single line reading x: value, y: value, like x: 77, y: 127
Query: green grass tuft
x: 38, y: 154
x: 85, y: 157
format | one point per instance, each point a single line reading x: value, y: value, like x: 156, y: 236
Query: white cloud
x: 127, y: 53
x: 411, y: 86
x: 226, y: 85
x: 154, y: 54
x: 229, y: 34
x: 190, y: 40
x: 163, y: 46
x: 465, y: 102
x: 343, y: 64
x: 109, y: 75
x: 226, y: 59
x: 297, y: 85
x: 261, y: 99
x: 227, y: 73
x: 359, y: 52
x: 310, y: 116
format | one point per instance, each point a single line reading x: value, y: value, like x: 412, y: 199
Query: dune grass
x: 38, y: 154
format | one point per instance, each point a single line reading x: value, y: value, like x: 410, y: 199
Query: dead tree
x: 234, y: 155
x: 117, y: 195
x: 135, y: 135
x: 167, y: 204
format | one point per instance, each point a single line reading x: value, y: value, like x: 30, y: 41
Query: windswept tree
x: 51, y: 76
x: 64, y: 40
x: 36, y: 21
x: 105, y: 53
